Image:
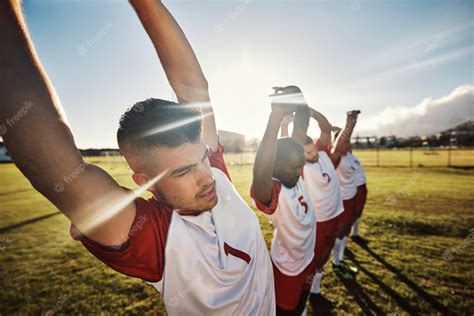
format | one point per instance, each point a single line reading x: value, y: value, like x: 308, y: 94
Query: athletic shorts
x: 326, y: 234
x: 361, y: 197
x: 349, y: 213
x: 288, y: 289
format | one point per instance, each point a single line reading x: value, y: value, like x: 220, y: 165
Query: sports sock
x: 342, y: 248
x: 316, y: 286
x: 355, y: 227
x: 335, y: 251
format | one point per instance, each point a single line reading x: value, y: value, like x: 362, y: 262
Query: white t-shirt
x: 293, y: 217
x: 347, y: 171
x: 218, y: 262
x: 361, y: 178
x: 322, y: 184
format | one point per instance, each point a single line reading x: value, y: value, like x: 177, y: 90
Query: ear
x: 140, y: 178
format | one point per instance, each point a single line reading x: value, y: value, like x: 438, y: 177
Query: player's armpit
x: 268, y: 207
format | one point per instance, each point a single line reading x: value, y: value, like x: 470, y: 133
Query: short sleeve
x: 216, y: 159
x: 143, y: 255
x: 327, y: 150
x: 271, y: 208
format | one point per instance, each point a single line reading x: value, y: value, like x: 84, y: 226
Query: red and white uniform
x: 213, y: 263
x: 293, y: 217
x: 322, y: 184
x: 346, y: 170
x: 361, y: 177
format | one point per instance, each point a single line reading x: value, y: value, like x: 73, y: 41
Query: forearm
x: 300, y: 126
x: 323, y: 122
x: 324, y: 126
x: 265, y: 160
x: 345, y: 135
x: 176, y: 54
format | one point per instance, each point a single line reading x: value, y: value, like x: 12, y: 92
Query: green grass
x: 419, y: 223
x: 393, y: 157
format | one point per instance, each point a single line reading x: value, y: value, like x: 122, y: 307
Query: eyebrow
x: 183, y: 168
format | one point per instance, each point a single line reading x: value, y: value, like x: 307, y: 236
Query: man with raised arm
x: 278, y: 191
x: 322, y: 184
x: 195, y: 241
x: 346, y: 169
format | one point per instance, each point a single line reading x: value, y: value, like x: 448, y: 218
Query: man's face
x: 310, y: 153
x: 187, y: 183
x: 288, y: 172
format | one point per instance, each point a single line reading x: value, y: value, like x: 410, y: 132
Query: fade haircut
x: 287, y: 147
x: 159, y: 123
x: 308, y: 140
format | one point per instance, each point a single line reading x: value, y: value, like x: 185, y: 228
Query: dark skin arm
x: 265, y: 158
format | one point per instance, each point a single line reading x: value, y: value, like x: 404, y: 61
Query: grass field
x: 419, y: 259
x: 420, y: 157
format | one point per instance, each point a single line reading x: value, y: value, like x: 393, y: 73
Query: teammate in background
x: 195, y: 222
x: 346, y: 169
x: 322, y: 184
x: 361, y: 198
x: 279, y: 192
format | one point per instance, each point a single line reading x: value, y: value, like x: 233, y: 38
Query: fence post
x: 378, y: 165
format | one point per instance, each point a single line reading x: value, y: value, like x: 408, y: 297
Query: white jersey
x: 294, y: 237
x: 361, y: 178
x: 217, y: 262
x: 347, y: 171
x: 322, y: 185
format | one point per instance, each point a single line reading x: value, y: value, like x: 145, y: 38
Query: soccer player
x: 195, y: 241
x: 346, y: 169
x: 322, y: 184
x: 361, y: 198
x: 279, y: 192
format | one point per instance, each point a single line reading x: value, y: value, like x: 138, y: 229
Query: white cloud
x: 428, y: 117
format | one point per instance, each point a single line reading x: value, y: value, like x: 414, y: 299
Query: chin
x: 290, y: 185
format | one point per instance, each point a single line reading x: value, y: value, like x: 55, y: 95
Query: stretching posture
x: 195, y: 241
x: 322, y: 185
x: 346, y: 169
x: 279, y: 192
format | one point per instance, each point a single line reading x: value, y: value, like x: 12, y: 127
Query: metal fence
x: 396, y: 157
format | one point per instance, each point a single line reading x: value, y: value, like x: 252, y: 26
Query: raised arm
x: 285, y: 123
x: 179, y: 61
x: 345, y: 135
x: 324, y: 126
x: 41, y: 144
x: 283, y: 105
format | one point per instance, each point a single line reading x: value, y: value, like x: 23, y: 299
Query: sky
x: 407, y: 65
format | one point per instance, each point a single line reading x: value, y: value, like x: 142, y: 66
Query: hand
x: 352, y: 116
x: 287, y: 99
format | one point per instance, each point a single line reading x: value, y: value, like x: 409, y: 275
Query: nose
x: 204, y: 175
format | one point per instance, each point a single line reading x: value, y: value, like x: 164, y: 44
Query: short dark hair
x: 308, y: 140
x: 159, y: 123
x: 287, y: 147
